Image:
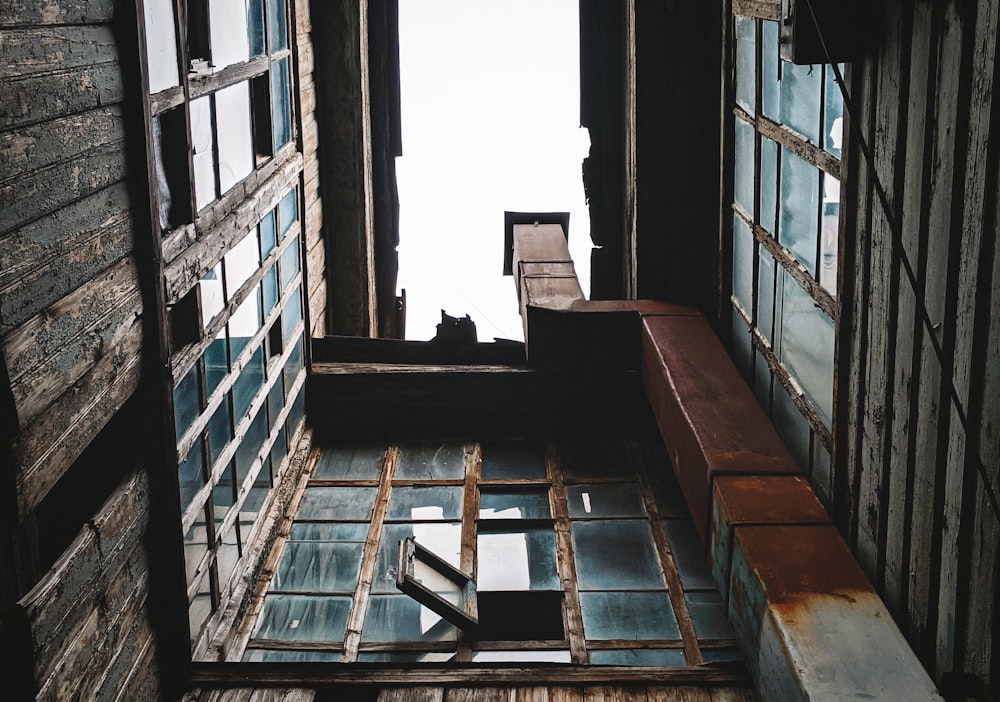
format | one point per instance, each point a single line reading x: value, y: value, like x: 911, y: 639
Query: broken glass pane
x: 628, y: 615
x: 516, y: 560
x: 605, y: 500
x: 228, y: 25
x: 348, y: 504
x: 444, y: 539
x: 616, y: 554
x: 203, y: 148
x: 431, y: 462
x: 213, y: 299
x: 303, y: 618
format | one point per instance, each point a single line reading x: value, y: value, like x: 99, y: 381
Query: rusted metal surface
x: 811, y: 623
x: 755, y: 500
x: 709, y: 419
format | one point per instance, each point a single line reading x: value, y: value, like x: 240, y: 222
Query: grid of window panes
x: 238, y: 407
x: 238, y: 120
x: 523, y: 521
x: 787, y: 125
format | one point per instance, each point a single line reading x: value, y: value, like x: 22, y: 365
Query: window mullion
x: 470, y: 510
x: 573, y: 613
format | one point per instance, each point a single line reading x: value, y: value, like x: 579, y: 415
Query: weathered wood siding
x: 312, y: 220
x: 90, y: 633
x: 70, y: 303
x: 913, y: 478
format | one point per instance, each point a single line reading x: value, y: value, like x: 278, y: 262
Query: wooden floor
x: 602, y: 693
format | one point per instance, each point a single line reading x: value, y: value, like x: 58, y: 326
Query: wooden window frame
x: 466, y: 616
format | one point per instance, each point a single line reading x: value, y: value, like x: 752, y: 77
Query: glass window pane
x: 201, y: 607
x: 249, y: 382
x: 187, y: 405
x: 769, y: 71
x: 516, y: 560
x: 741, y: 343
x: 263, y: 655
x: 661, y: 658
x: 833, y: 117
x: 275, y: 401
x: 267, y: 234
x: 318, y: 566
x: 244, y: 323
x: 293, y: 365
x: 444, y: 539
x: 277, y: 25
x: 303, y: 618
x: 688, y: 554
x: 765, y: 293
x: 281, y: 106
x: 514, y: 504
x: 241, y: 262
x: 161, y: 45
x: 405, y: 656
x: 191, y: 474
x: 255, y: 28
x: 235, y: 135
x: 228, y: 555
x: 195, y: 546
x: 618, y: 554
x: 744, y: 167
x: 769, y: 185
x: 338, y: 503
x: 350, y: 463
x: 431, y: 462
x: 798, y: 225
x: 669, y: 499
x: 792, y: 426
x: 223, y: 495
x: 213, y: 299
x: 628, y: 615
x: 256, y: 497
x: 228, y: 24
x: 510, y: 460
x: 721, y: 655
x: 288, y: 266
x: 288, y: 210
x: 434, y: 581
x: 269, y: 284
x: 607, y: 500
x: 278, y: 450
x: 583, y: 461
x: 746, y: 62
x: 743, y: 252
x: 203, y: 150
x: 801, y: 87
x: 339, y: 532
x: 431, y: 502
x: 291, y: 315
x: 708, y: 612
x: 829, y: 244
x: 541, y: 656
x: 249, y: 448
x: 806, y: 345
x: 216, y: 362
x: 400, y: 618
x: 220, y: 431
x: 296, y: 412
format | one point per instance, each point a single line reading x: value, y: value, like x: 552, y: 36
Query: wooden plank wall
x: 90, y: 632
x: 913, y: 485
x: 70, y: 303
x: 312, y: 220
x: 554, y: 693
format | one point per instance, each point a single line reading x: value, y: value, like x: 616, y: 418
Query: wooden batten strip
x: 359, y: 607
x: 470, y: 512
x: 205, y: 84
x: 761, y: 9
x: 40, y: 97
x: 565, y: 559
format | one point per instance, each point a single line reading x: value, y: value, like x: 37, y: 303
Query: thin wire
x: 899, y: 252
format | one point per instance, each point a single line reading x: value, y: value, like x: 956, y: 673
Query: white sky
x: 490, y: 119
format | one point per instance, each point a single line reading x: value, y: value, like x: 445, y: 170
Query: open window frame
x: 466, y: 615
